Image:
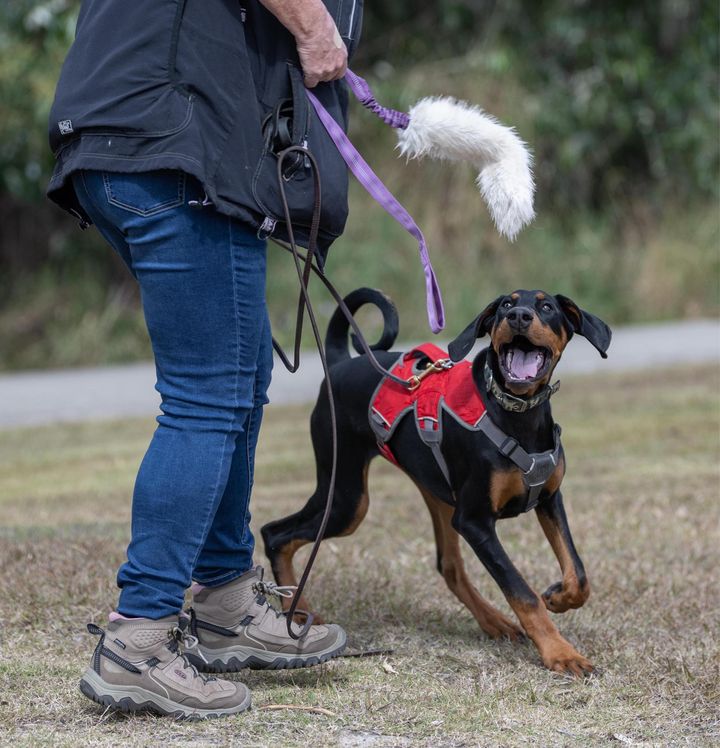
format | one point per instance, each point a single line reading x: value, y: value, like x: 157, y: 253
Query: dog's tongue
x: 525, y: 365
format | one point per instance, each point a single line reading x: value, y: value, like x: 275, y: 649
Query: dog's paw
x: 563, y: 658
x: 558, y: 598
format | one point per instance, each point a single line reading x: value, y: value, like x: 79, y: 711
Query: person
x: 157, y: 132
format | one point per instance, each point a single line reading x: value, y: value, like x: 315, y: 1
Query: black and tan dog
x: 528, y: 333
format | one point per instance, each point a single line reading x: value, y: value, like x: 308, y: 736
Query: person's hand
x: 323, y: 56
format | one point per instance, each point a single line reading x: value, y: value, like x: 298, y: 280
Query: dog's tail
x: 336, y: 343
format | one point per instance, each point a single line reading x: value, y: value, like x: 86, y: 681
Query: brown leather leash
x: 304, y: 266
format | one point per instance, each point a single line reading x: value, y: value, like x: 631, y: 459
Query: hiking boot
x: 236, y: 627
x: 138, y: 665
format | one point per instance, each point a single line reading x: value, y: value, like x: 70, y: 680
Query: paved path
x: 34, y: 398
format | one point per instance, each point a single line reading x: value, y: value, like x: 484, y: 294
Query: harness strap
x: 536, y: 468
x: 506, y: 445
x: 433, y: 439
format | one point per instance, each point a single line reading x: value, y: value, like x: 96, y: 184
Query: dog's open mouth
x: 523, y: 362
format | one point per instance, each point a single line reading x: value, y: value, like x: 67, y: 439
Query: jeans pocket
x: 147, y: 193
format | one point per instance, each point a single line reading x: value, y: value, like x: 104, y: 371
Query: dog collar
x: 511, y: 402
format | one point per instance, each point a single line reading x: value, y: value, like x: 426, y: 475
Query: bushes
x: 623, y: 97
x: 626, y: 97
x: 33, y: 40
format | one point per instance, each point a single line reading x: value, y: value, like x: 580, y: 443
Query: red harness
x: 441, y: 385
x: 447, y: 386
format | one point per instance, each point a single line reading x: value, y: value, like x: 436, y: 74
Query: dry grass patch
x: 642, y: 495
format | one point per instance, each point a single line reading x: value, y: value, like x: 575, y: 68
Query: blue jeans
x: 202, y: 282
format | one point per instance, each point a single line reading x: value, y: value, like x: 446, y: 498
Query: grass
x: 642, y: 494
x: 638, y: 266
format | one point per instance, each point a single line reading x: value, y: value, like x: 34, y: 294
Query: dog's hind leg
x: 450, y: 564
x: 283, y: 537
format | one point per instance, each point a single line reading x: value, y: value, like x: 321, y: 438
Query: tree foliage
x: 627, y: 95
x: 34, y: 37
x: 623, y: 96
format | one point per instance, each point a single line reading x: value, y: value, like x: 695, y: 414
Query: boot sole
x: 231, y: 662
x: 135, y: 699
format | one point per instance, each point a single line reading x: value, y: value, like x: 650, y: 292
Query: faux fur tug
x: 451, y: 130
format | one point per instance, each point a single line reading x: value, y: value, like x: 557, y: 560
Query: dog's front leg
x: 574, y: 589
x: 557, y: 653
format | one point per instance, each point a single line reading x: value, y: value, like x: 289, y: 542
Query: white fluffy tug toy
x: 451, y: 130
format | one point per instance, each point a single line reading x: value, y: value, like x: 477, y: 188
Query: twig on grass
x: 106, y: 714
x: 297, y: 708
x: 368, y: 653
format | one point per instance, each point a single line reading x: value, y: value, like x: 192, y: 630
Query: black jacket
x: 187, y: 84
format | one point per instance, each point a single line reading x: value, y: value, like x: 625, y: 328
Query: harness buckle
x: 508, y: 446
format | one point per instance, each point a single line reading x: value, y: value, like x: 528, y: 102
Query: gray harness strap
x: 433, y: 439
x: 536, y: 468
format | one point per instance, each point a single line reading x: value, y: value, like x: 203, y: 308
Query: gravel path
x: 35, y: 398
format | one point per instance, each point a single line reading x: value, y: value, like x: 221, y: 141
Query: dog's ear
x: 481, y: 325
x: 588, y: 325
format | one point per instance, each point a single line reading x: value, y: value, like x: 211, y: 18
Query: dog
x: 510, y: 461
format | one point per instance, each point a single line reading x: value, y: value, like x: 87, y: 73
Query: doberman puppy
x: 528, y: 333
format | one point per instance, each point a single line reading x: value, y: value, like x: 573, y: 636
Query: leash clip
x: 442, y: 364
x: 200, y: 204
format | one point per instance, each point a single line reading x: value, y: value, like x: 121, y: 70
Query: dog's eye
x: 547, y: 307
x: 506, y: 304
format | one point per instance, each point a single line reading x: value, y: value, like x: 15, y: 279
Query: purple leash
x: 374, y: 186
x: 363, y: 93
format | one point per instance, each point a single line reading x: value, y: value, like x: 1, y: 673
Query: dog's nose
x: 520, y: 317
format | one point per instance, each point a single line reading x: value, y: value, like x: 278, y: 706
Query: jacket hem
x: 62, y: 193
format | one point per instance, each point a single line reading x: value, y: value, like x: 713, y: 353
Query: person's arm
x: 323, y: 56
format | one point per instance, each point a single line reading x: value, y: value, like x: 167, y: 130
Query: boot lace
x: 274, y: 590
x: 178, y: 639
x: 264, y: 589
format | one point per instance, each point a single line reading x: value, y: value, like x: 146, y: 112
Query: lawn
x: 643, y: 498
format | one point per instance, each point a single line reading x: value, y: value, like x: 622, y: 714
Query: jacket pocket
x: 145, y: 194
x: 289, y: 117
x: 298, y: 181
x: 116, y: 78
x: 212, y: 67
